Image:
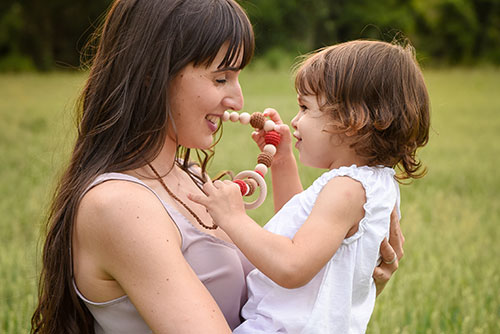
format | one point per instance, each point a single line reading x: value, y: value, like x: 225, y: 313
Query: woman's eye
x: 302, y: 107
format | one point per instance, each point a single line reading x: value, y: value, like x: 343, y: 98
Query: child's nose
x: 294, y: 121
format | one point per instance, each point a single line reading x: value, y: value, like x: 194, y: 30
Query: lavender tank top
x: 219, y: 265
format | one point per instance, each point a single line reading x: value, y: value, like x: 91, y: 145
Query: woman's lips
x: 213, y: 122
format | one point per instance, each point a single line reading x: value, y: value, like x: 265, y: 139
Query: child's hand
x: 285, y: 146
x: 223, y: 201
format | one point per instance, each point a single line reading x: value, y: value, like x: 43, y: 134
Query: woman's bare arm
x: 133, y: 240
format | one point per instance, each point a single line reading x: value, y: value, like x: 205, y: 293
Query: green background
x: 449, y: 278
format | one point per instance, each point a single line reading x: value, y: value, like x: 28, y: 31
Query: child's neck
x: 348, y: 161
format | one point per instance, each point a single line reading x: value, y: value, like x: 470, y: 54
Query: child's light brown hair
x: 376, y: 94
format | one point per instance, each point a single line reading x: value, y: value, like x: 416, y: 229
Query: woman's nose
x: 234, y: 100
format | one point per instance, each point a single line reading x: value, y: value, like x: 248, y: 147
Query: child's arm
x: 284, y: 172
x: 289, y: 263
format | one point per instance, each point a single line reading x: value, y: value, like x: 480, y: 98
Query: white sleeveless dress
x: 341, y: 297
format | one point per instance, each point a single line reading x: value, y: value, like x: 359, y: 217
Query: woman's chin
x: 200, y: 145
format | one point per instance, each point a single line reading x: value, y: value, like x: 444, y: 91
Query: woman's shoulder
x: 117, y: 204
x: 114, y: 193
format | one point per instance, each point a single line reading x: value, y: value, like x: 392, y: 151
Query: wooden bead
x: 225, y: 116
x: 270, y: 148
x: 234, y: 116
x: 257, y: 120
x: 265, y: 158
x: 261, y: 168
x: 269, y: 125
x: 244, y: 118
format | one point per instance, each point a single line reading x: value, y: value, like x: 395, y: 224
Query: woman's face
x: 198, y: 98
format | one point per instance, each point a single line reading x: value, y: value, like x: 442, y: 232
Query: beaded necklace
x: 247, y: 180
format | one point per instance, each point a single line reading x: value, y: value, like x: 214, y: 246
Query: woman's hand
x: 284, y: 148
x: 392, y: 252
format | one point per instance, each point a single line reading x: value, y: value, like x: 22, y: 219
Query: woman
x: 126, y: 251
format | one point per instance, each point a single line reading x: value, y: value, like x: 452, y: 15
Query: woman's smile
x: 213, y: 121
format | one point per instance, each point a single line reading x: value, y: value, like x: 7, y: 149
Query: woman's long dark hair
x: 123, y: 117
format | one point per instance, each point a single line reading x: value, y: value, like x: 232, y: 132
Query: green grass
x: 449, y: 279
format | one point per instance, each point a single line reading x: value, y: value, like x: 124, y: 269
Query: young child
x: 364, y: 110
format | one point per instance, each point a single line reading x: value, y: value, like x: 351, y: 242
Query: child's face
x: 318, y: 144
x: 318, y: 147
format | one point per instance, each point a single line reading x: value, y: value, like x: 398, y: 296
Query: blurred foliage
x: 51, y: 34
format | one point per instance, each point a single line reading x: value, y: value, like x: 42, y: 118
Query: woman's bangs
x: 240, y: 39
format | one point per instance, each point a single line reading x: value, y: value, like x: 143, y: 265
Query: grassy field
x: 449, y: 279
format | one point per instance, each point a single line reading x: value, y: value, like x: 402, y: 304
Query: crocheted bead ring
x: 249, y: 180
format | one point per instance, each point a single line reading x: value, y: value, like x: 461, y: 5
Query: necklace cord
x: 195, y: 216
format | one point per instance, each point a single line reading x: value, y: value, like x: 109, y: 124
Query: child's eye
x: 221, y: 81
x: 303, y: 107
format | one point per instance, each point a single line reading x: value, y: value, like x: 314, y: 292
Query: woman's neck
x: 164, y: 162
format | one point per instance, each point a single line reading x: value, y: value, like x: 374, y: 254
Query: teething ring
x: 262, y: 184
x: 246, y: 179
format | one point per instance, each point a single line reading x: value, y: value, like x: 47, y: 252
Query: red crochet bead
x: 272, y: 137
x: 256, y: 171
x: 243, y: 186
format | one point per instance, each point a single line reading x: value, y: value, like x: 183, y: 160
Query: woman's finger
x: 389, y: 256
x: 396, y: 238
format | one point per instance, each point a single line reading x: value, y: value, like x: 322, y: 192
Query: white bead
x: 225, y: 116
x: 269, y: 125
x: 234, y: 116
x: 261, y: 168
x: 244, y: 118
x: 269, y: 148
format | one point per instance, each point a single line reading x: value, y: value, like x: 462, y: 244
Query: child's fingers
x: 208, y: 187
x: 200, y: 199
x: 273, y: 115
x: 258, y: 138
x: 284, y: 131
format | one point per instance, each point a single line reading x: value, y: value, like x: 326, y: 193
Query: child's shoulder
x: 363, y: 174
x: 376, y: 182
